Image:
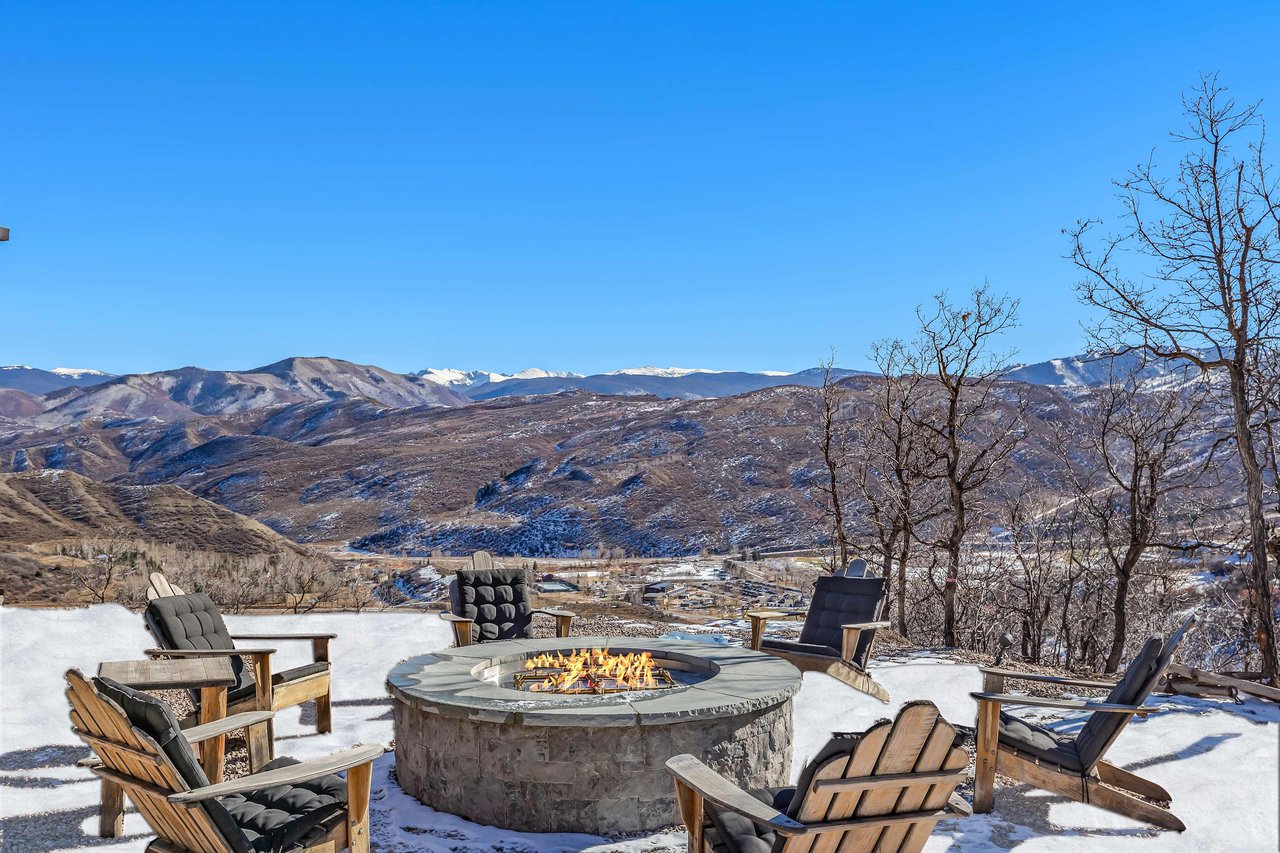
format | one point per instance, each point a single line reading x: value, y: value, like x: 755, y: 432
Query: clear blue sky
x: 573, y: 185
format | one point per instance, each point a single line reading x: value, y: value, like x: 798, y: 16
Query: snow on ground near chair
x: 1219, y: 760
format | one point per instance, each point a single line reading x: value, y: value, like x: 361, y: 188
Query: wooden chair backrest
x: 159, y: 587
x: 134, y: 760
x: 481, y: 560
x: 888, y: 792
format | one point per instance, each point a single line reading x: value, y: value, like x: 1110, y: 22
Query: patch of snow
x: 78, y: 372
x: 1217, y: 759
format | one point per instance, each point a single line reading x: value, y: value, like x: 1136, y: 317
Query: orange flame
x: 632, y: 671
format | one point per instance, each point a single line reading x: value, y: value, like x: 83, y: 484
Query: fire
x: 592, y: 671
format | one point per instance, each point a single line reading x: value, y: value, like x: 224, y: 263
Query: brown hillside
x: 51, y: 505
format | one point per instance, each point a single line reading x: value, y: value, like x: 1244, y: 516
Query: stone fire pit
x: 469, y: 743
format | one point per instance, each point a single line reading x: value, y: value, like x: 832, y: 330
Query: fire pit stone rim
x: 741, y: 681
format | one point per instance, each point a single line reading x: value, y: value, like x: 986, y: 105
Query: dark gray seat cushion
x: 1045, y: 744
x: 245, y: 691
x: 780, y: 645
x: 497, y: 600
x: 1138, y: 682
x: 289, y: 817
x: 1081, y: 752
x: 738, y: 834
x: 194, y: 622
x: 837, y: 601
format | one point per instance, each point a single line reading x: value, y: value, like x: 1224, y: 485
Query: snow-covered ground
x: 1219, y: 760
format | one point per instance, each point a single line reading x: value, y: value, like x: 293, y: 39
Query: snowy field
x: 1218, y: 759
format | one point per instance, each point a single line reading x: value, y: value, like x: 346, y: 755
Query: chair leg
x: 358, y: 782
x: 1117, y: 801
x: 260, y: 746
x: 857, y: 679
x: 984, y: 774
x: 324, y: 711
x: 111, y: 812
x: 690, y: 803
x: 1121, y: 778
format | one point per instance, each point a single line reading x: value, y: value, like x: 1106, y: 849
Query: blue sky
x: 574, y: 186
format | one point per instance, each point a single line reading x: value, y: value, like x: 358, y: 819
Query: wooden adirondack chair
x: 839, y: 630
x: 260, y: 687
x: 493, y: 604
x: 1074, y: 766
x: 882, y: 790
x: 140, y: 749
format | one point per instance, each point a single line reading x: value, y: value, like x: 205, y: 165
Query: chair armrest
x: 303, y: 636
x: 206, y: 653
x: 866, y: 626
x: 1047, y: 679
x: 551, y: 611
x: 195, y: 734
x: 293, y: 774
x: 461, y: 628
x: 714, y: 787
x: 774, y: 614
x: 1066, y: 704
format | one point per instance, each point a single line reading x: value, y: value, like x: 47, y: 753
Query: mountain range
x: 30, y: 397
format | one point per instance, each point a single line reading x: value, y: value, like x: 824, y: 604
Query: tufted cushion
x: 288, y: 817
x: 1138, y: 681
x: 737, y: 834
x: 496, y: 599
x: 156, y: 719
x: 840, y: 601
x: 803, y: 648
x: 194, y: 622
x: 1038, y: 741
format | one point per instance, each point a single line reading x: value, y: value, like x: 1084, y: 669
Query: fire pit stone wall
x: 552, y: 763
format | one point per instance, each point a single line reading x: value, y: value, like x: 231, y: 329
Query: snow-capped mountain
x: 1095, y: 369
x: 675, y: 372
x: 33, y: 380
x: 460, y: 380
x: 80, y: 372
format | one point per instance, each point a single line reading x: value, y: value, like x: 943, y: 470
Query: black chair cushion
x: 837, y: 601
x: 1043, y: 743
x: 780, y: 645
x: 194, y: 622
x: 288, y: 817
x: 738, y: 834
x: 1138, y: 681
x: 496, y: 599
x: 237, y: 694
x: 155, y: 718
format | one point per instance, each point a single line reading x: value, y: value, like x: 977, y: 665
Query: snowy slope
x: 1217, y: 759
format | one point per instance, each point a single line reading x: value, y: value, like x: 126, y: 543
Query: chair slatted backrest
x: 887, y: 792
x: 159, y: 587
x: 134, y: 760
x: 481, y: 561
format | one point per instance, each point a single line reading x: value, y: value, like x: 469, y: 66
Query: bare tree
x: 106, y: 562
x: 969, y: 434
x: 832, y: 400
x: 1134, y: 468
x: 1203, y: 288
x: 888, y: 445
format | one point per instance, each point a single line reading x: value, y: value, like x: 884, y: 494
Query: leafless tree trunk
x: 1134, y: 469
x: 968, y: 439
x: 832, y: 400
x: 1209, y: 292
